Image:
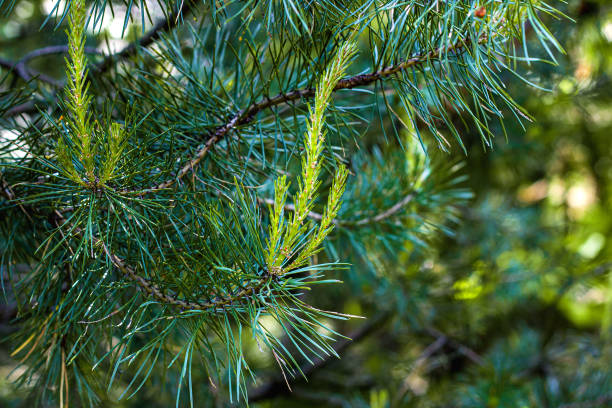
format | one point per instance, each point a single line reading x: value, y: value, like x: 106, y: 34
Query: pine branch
x: 146, y: 285
x: 156, y: 292
x: 247, y: 115
x: 243, y: 117
x: 362, y: 221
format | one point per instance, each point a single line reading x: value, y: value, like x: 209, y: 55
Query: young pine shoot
x: 81, y: 128
x: 285, y: 233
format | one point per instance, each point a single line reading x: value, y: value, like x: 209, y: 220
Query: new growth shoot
x: 286, y: 251
x: 81, y: 128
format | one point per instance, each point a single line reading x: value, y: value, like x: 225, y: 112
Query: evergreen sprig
x: 82, y: 130
x: 284, y: 235
x: 78, y: 101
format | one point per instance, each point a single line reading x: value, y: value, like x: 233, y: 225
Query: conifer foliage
x: 168, y: 205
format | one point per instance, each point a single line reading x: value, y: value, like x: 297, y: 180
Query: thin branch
x: 388, y: 213
x: 52, y: 50
x: 9, y: 194
x: 21, y: 69
x: 247, y: 115
x: 25, y: 73
x: 429, y: 351
x: 360, y: 222
x: 27, y: 107
x: 440, y: 341
x: 461, y: 348
x: 158, y: 293
x: 145, y: 285
x: 11, y: 66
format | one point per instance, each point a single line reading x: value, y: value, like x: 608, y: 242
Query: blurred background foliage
x: 513, y: 309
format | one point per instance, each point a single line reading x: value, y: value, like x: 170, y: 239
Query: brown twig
x: 461, y: 348
x: 25, y: 73
x: 360, y: 222
x: 248, y: 114
x: 21, y: 69
x: 158, y: 293
x: 51, y: 50
x: 146, y: 285
x: 428, y: 352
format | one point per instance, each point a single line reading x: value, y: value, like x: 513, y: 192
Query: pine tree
x: 170, y: 207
